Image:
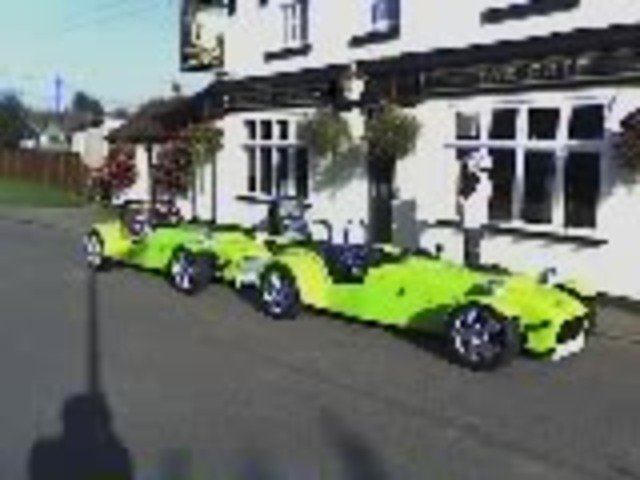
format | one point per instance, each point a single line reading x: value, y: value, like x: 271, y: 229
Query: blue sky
x: 121, y: 51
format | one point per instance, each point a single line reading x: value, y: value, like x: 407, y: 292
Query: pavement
x: 620, y: 319
x: 206, y: 388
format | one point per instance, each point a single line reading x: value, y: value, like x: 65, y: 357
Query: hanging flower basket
x: 325, y: 132
x: 628, y: 144
x: 390, y: 133
x: 204, y: 141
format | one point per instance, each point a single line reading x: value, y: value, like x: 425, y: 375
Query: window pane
x: 587, y: 123
x: 467, y: 126
x: 302, y: 172
x: 252, y: 182
x: 250, y: 127
x: 283, y: 171
x: 502, y: 177
x: 503, y: 124
x: 539, y: 173
x: 266, y: 132
x: 543, y: 123
x: 283, y: 130
x: 266, y: 172
x: 581, y: 188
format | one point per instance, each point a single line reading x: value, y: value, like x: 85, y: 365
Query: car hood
x: 512, y: 294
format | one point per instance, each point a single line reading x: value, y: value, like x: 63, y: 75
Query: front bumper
x: 560, y: 340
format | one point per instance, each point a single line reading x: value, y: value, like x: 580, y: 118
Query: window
x: 543, y: 123
x: 581, y: 183
x: 503, y: 124
x: 467, y: 126
x: 539, y: 173
x: 385, y: 14
x: 276, y: 163
x: 546, y: 161
x: 502, y: 176
x: 295, y: 23
x: 587, y: 123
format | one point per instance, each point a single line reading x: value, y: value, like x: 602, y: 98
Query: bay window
x: 546, y: 161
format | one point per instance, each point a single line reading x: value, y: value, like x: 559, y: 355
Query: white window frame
x: 291, y: 143
x: 561, y: 147
x: 294, y: 23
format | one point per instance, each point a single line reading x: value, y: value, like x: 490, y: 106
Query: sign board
x: 202, y: 26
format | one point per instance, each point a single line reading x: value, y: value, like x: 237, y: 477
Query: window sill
x: 288, y: 52
x: 581, y: 237
x: 375, y: 36
x: 570, y: 236
x: 526, y: 10
x: 262, y: 199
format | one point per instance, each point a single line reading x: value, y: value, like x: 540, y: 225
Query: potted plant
x: 628, y: 145
x: 390, y: 135
x: 325, y: 132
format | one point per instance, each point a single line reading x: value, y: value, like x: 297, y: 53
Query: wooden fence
x: 64, y: 170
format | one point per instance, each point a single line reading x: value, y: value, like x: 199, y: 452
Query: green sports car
x: 151, y: 236
x: 486, y: 315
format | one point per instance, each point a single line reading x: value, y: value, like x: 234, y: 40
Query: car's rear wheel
x: 189, y: 272
x: 279, y: 296
x: 94, y: 251
x: 480, y: 339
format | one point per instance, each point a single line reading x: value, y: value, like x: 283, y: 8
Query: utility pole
x: 58, y: 95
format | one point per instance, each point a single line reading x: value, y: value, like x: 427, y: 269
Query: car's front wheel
x: 94, y: 251
x: 189, y: 272
x: 279, y: 294
x: 480, y: 339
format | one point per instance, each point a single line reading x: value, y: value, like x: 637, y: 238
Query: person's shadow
x: 87, y: 448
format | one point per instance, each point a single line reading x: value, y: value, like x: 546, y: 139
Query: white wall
x: 91, y: 143
x: 424, y: 26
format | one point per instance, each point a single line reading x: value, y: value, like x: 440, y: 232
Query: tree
x: 171, y: 173
x: 13, y: 123
x: 84, y: 104
x: 117, y: 173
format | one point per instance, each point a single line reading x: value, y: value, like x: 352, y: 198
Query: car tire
x: 279, y: 296
x: 189, y: 272
x: 93, y: 246
x: 480, y: 339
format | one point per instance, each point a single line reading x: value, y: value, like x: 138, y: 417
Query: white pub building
x: 541, y: 86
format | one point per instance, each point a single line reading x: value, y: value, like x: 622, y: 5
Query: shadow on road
x: 87, y: 448
x: 358, y: 459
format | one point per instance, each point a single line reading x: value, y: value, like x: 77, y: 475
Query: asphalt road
x: 205, y: 388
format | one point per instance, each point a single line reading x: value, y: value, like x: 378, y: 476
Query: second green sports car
x: 486, y: 317
x: 153, y: 237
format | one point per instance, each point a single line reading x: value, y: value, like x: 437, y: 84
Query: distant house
x: 46, y: 134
